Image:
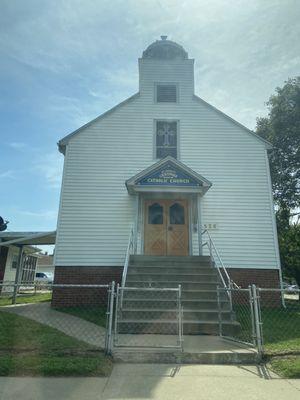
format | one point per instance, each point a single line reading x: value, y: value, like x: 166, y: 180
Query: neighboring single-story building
x: 19, y: 255
x: 9, y: 261
x: 45, y: 263
x: 167, y: 164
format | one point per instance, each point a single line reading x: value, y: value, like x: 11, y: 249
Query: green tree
x: 282, y: 129
x: 289, y: 244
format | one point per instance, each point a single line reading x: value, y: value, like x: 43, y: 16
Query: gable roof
x: 64, y: 141
x: 168, y: 175
x: 267, y: 144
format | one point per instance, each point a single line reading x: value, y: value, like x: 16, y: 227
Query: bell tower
x: 166, y: 62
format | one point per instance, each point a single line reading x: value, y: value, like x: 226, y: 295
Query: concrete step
x: 172, y: 264
x: 197, y: 349
x: 186, y: 294
x: 167, y: 304
x: 229, y: 328
x: 181, y: 269
x: 170, y: 327
x: 173, y: 284
x: 178, y: 277
x: 191, y: 294
x: 177, y: 357
x: 157, y: 314
x: 169, y: 260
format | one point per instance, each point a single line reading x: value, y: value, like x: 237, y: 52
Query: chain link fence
x: 148, y: 317
x: 280, y: 320
x: 90, y: 320
x: 236, y: 322
x: 10, y: 293
x: 268, y: 319
x: 48, y: 320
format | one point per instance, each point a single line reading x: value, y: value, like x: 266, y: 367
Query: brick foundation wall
x: 264, y: 278
x: 72, y: 297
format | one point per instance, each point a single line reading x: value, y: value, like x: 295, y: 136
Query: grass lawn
x: 287, y: 366
x: 95, y: 314
x: 28, y: 348
x: 281, y: 327
x: 26, y: 298
x: 281, y: 333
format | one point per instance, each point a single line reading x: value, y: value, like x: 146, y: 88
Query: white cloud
x: 48, y: 214
x: 50, y: 167
x: 17, y: 145
x: 244, y: 49
x: 7, y: 174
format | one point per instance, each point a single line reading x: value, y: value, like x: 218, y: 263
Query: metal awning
x: 27, y: 238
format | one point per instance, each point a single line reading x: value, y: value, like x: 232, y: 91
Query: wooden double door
x: 166, y: 229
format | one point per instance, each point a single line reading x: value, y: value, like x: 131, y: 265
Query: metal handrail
x: 211, y: 245
x: 128, y: 252
x: 229, y: 283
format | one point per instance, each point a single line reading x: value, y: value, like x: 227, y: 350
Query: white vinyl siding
x: 96, y: 211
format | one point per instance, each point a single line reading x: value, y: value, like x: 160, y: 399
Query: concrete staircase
x: 144, y: 312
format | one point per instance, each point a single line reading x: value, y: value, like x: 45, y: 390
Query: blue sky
x: 64, y: 62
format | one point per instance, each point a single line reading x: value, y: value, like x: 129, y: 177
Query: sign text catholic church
x: 168, y: 175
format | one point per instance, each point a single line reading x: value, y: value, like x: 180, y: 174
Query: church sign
x: 168, y: 175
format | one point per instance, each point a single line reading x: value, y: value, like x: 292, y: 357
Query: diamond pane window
x: 166, y: 139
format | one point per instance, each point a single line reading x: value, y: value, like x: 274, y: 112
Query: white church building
x: 166, y: 166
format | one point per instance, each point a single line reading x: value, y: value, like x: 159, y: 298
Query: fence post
x: 18, y: 274
x: 210, y: 252
x: 110, y: 306
x: 230, y: 295
x: 258, y: 331
x: 180, y: 330
x: 116, y: 314
x: 251, y: 304
x: 219, y: 311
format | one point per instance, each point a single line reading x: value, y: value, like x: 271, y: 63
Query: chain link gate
x: 148, y: 318
x: 241, y: 321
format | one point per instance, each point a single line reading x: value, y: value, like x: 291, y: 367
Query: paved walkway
x: 66, y: 323
x: 158, y: 382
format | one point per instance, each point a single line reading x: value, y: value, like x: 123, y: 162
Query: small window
x: 166, y: 93
x: 177, y: 214
x: 155, y: 214
x: 166, y: 139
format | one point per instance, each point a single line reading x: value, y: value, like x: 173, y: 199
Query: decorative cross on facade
x: 167, y: 133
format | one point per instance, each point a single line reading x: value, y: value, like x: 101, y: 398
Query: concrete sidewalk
x: 70, y: 325
x: 158, y: 382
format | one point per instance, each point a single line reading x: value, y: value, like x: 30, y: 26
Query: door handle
x: 170, y: 228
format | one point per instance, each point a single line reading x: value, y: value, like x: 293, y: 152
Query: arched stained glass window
x: 177, y: 214
x: 155, y: 214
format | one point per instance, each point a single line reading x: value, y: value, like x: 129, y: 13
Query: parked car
x: 43, y: 277
x: 292, y: 289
